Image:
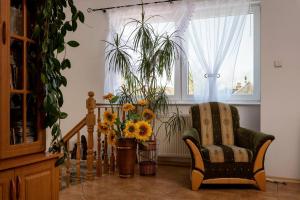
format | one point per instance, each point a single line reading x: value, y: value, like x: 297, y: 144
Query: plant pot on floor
x: 148, y: 158
x: 126, y: 156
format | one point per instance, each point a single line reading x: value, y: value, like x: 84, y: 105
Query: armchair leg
x: 196, y: 179
x: 260, y: 179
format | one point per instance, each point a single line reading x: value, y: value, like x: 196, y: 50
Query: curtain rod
x: 89, y: 10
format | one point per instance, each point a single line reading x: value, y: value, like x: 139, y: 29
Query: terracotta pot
x: 126, y: 156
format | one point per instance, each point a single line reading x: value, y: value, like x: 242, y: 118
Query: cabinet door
x: 21, y: 130
x: 37, y: 181
x: 7, y: 185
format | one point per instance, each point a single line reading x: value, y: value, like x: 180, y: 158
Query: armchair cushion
x: 226, y: 154
x: 215, y: 122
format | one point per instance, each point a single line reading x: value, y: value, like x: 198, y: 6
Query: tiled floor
x: 172, y: 183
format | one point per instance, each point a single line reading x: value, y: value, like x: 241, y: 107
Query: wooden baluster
x: 78, y: 158
x: 112, y: 160
x: 68, y: 165
x: 90, y: 122
x: 105, y: 155
x: 99, y: 159
x: 60, y: 178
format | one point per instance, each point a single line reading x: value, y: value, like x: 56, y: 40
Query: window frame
x: 181, y: 73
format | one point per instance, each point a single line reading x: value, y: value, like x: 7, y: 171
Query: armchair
x: 223, y: 152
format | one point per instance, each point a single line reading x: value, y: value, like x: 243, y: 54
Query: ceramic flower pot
x: 126, y: 156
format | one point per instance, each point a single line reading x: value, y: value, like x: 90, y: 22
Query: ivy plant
x: 50, y: 32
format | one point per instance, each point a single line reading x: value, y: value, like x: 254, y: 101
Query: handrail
x: 75, y: 130
x: 87, y: 151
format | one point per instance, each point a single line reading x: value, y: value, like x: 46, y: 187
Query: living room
x: 209, y: 60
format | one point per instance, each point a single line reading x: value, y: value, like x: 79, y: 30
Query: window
x: 239, y: 81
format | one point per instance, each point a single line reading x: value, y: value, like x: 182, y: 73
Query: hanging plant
x: 50, y: 32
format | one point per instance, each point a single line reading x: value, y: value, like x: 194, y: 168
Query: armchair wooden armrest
x: 257, y: 142
x: 191, y: 138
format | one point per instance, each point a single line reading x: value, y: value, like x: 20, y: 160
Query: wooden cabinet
x: 21, y: 128
x: 7, y: 185
x: 33, y: 177
x: 37, y: 181
x: 26, y: 172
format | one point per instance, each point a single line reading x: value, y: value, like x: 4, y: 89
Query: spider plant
x: 143, y: 60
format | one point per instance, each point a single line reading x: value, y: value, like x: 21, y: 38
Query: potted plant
x: 131, y: 126
x: 154, y: 58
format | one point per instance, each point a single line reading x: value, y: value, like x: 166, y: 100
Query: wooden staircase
x: 100, y: 160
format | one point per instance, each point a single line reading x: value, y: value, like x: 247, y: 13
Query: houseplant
x: 143, y: 60
x: 50, y: 34
x: 128, y: 127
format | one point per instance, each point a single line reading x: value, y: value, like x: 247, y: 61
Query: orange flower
x: 144, y: 132
x: 131, y: 129
x: 148, y: 115
x: 104, y: 127
x: 128, y: 107
x: 110, y: 117
x: 108, y: 97
x: 143, y: 102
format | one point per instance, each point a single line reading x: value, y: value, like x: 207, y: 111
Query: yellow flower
x: 128, y: 107
x: 148, y: 115
x: 131, y: 130
x: 143, y: 102
x: 109, y: 96
x: 145, y: 130
x: 104, y: 127
x: 112, y: 138
x: 110, y: 117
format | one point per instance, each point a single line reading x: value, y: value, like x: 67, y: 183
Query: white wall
x: 280, y: 92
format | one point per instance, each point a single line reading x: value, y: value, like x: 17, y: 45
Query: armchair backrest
x: 215, y: 122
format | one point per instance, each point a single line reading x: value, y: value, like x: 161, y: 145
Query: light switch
x: 277, y: 64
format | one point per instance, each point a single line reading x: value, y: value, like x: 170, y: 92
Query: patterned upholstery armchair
x: 223, y: 152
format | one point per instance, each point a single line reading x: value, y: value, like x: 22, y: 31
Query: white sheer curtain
x: 168, y: 17
x: 212, y: 32
x: 213, y: 37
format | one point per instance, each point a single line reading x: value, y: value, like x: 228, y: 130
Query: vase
x: 126, y: 156
x: 148, y: 158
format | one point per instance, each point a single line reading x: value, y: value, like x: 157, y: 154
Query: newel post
x: 90, y: 123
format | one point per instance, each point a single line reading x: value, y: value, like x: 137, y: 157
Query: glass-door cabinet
x: 21, y: 127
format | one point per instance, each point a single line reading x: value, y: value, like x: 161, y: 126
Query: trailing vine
x: 50, y: 32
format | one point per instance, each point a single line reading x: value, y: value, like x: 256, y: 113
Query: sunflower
x: 104, y: 127
x: 112, y: 138
x: 128, y: 107
x: 110, y: 117
x: 148, y: 114
x: 144, y: 130
x: 143, y: 102
x: 131, y: 130
x: 109, y: 96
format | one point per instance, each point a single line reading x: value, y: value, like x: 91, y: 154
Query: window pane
x: 16, y: 119
x: 244, y: 71
x: 16, y: 17
x: 16, y: 64
x: 236, y: 75
x: 190, y: 83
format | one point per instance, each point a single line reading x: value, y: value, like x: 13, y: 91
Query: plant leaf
x: 73, y: 43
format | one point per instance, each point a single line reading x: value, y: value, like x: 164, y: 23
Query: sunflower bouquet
x: 133, y: 122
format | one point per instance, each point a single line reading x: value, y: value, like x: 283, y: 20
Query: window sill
x: 174, y: 102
